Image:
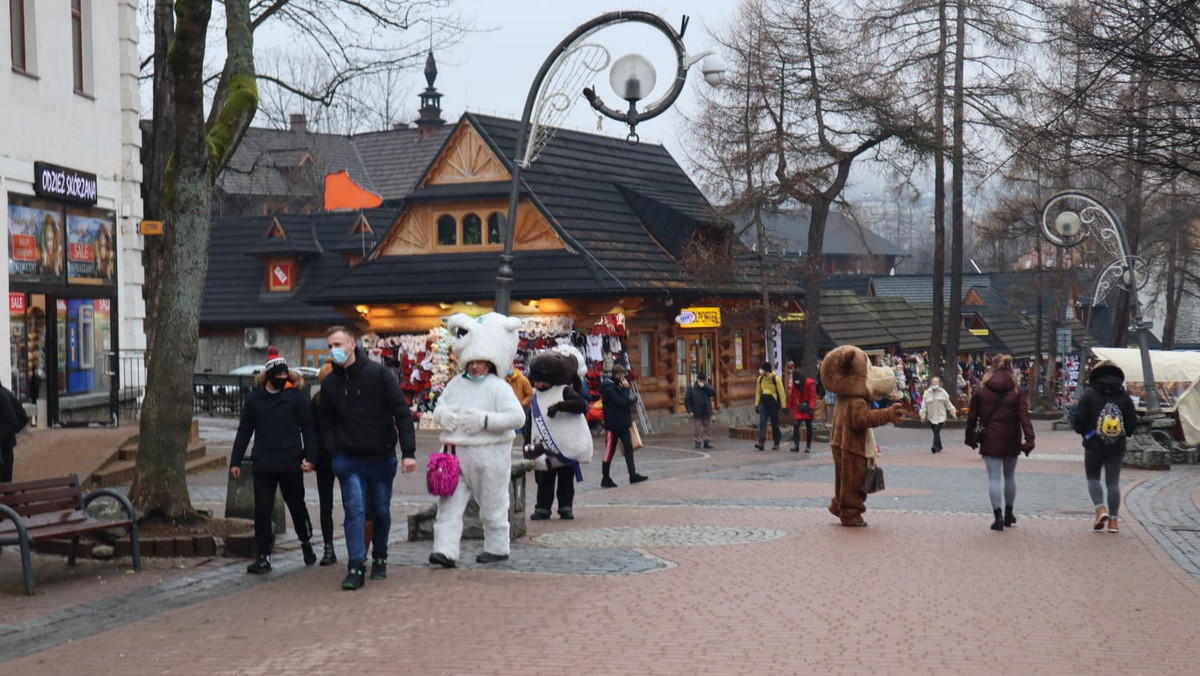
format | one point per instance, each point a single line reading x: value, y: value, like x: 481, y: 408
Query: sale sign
x: 91, y: 255
x: 280, y: 277
x: 16, y: 303
x: 35, y: 251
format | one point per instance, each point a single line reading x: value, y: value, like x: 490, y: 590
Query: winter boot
x: 1010, y: 519
x: 355, y: 574
x: 330, y: 557
x: 310, y: 557
x: 1101, y: 521
x: 1112, y: 525
x: 261, y: 566
x: 539, y: 514
x: 697, y: 445
x: 566, y: 513
x: 607, y: 481
x: 379, y: 568
x: 637, y: 478
x: 998, y: 524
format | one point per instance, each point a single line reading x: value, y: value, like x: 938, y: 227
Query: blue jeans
x: 375, y: 478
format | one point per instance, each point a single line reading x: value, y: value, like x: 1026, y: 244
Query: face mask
x: 475, y: 378
x: 338, y: 355
x: 279, y: 383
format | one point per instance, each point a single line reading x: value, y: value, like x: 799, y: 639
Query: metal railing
x: 129, y: 368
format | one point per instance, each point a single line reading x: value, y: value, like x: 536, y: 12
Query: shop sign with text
x: 699, y: 317
x: 70, y: 185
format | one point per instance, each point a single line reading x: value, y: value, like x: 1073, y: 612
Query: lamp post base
x: 1142, y: 451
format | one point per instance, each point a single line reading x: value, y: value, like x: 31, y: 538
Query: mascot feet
x: 540, y: 515
x: 856, y: 524
x: 488, y: 557
x: 440, y: 559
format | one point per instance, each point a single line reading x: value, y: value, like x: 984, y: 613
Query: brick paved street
x: 725, y: 562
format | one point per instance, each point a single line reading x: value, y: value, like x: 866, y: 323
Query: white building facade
x: 70, y: 191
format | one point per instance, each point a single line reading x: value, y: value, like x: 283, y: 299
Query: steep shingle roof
x: 845, y: 320
x: 789, y: 230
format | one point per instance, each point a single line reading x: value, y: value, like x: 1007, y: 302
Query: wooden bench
x: 53, y: 508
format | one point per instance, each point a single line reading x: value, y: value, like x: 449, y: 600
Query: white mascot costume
x: 562, y: 367
x: 477, y: 418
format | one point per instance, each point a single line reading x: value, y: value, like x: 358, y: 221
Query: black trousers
x: 6, y: 463
x: 611, y: 437
x: 291, y: 486
x: 325, y: 478
x: 564, y: 477
x: 937, y: 435
x: 807, y: 432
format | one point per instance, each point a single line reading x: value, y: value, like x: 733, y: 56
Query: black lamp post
x: 1077, y: 216
x: 632, y: 77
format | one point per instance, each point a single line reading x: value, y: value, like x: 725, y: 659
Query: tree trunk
x: 954, y: 321
x: 813, y: 269
x: 160, y: 483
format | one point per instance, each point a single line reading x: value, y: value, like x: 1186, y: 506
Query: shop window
x: 447, y: 230
x: 315, y: 352
x: 647, y: 355
x: 495, y: 224
x: 472, y: 230
x: 739, y: 350
x: 81, y: 45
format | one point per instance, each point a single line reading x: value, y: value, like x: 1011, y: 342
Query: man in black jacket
x: 363, y: 414
x: 10, y: 424
x: 1105, y: 404
x: 278, y: 416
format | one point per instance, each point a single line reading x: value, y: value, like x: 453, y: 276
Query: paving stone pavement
x: 723, y: 563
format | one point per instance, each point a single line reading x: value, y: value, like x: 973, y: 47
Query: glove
x: 755, y: 410
x: 471, y: 422
x: 897, y: 412
x: 1027, y: 447
x: 553, y: 409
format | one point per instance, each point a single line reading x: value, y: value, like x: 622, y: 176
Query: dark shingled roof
x: 859, y: 284
x: 235, y: 291
x: 899, y: 317
x: 845, y: 320
x: 789, y: 231
x: 268, y: 162
x: 299, y: 238
x: 919, y: 288
x: 396, y: 159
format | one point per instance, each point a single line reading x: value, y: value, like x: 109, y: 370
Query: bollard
x: 239, y: 499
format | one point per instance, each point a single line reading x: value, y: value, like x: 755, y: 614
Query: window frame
x: 18, y: 44
x: 459, y: 216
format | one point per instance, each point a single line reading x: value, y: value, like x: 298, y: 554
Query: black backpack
x: 18, y: 411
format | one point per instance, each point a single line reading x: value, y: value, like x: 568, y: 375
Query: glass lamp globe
x: 632, y: 77
x: 1068, y: 225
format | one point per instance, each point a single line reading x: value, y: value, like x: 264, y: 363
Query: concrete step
x: 118, y: 471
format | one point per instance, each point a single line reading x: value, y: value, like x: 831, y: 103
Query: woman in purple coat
x: 1001, y: 409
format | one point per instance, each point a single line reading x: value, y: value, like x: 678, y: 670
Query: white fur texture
x: 491, y: 337
x: 569, y: 430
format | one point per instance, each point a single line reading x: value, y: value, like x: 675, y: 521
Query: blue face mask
x: 475, y: 378
x: 338, y: 355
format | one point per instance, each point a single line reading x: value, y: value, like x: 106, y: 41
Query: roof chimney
x: 299, y: 123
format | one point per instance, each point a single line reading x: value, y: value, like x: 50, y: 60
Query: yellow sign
x: 699, y: 317
x: 978, y: 332
x: 150, y: 227
x: 792, y: 317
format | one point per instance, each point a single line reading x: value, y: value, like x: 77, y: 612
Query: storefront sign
x: 699, y: 317
x: 16, y: 303
x: 792, y: 317
x: 978, y: 332
x: 150, y: 227
x: 61, y: 183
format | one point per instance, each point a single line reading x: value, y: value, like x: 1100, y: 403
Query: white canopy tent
x: 1176, y: 379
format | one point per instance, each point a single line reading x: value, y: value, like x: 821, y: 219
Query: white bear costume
x: 569, y: 432
x: 478, y: 418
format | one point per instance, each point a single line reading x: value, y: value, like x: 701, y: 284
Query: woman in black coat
x: 1105, y: 450
x: 1001, y: 409
x: 278, y: 415
x: 618, y: 400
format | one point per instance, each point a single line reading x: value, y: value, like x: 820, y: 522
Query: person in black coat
x: 10, y: 424
x: 277, y: 414
x: 698, y: 402
x: 618, y: 399
x: 1106, y: 385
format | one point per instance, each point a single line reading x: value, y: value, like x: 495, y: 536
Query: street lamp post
x: 632, y: 77
x: 1070, y: 217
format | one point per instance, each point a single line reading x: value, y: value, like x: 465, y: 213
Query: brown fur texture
x: 846, y: 371
x: 294, y: 379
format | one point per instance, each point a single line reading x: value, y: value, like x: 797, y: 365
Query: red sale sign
x: 281, y: 274
x: 16, y: 302
x: 24, y: 248
x: 81, y: 252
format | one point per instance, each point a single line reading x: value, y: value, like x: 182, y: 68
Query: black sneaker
x: 539, y: 515
x: 758, y: 447
x: 637, y: 478
x: 488, y: 557
x: 440, y: 559
x: 310, y: 557
x: 697, y: 444
x: 707, y: 445
x: 260, y: 567
x: 566, y: 513
x: 330, y: 557
x: 354, y: 576
x: 796, y: 448
x: 607, y: 482
x: 379, y: 568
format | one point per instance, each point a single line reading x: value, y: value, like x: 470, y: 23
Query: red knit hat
x: 275, y: 363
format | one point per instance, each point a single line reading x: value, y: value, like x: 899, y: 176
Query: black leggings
x: 807, y: 432
x: 6, y: 463
x: 610, y: 448
x: 291, y: 486
x: 325, y: 478
x: 1108, y: 459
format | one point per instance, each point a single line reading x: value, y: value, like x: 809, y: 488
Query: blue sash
x: 548, y: 441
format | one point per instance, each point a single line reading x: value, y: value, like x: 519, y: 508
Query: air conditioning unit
x: 256, y: 337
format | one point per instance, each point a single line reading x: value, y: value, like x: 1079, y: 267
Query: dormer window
x: 467, y: 230
x: 447, y: 230
x: 472, y: 230
x: 281, y: 275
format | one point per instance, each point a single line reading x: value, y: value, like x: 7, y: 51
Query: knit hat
x: 275, y: 363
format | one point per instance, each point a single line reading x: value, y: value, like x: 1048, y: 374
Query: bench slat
x: 40, y: 520
x: 88, y: 526
x: 22, y: 499
x: 39, y: 484
x: 46, y: 507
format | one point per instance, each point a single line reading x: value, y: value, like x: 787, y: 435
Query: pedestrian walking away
x: 698, y: 402
x: 13, y: 419
x: 477, y: 412
x: 278, y: 415
x: 936, y: 407
x: 768, y: 398
x: 618, y: 399
x: 325, y: 476
x: 803, y: 403
x: 363, y: 414
x: 1105, y: 417
x: 1001, y: 410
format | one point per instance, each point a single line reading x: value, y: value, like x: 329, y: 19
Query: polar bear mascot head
x: 491, y: 337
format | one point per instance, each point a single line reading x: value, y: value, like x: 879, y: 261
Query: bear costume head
x: 491, y: 337
x: 563, y: 365
x: 847, y: 372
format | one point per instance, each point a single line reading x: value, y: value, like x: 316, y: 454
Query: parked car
x: 254, y: 369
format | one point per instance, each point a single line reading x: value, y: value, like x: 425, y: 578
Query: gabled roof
x: 266, y: 162
x: 845, y: 320
x: 900, y: 319
x: 234, y: 291
x: 287, y: 235
x: 396, y: 159
x: 919, y: 288
x: 789, y: 231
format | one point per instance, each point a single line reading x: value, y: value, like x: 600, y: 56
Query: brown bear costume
x: 847, y: 372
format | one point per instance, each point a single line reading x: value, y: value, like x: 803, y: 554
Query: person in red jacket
x: 1001, y: 410
x: 802, y: 401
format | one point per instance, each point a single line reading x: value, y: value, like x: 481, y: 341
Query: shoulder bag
x: 441, y: 476
x: 977, y: 434
x: 873, y: 481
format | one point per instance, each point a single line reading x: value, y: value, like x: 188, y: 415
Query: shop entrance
x: 62, y: 359
x: 694, y: 354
